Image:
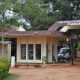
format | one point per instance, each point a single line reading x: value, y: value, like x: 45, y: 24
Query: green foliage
x: 4, y: 24
x: 69, y: 8
x: 32, y: 11
x: 42, y: 13
x: 37, y: 16
x: 78, y: 46
x: 4, y: 21
x: 44, y: 60
x: 4, y: 67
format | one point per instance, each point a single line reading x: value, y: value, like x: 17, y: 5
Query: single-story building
x: 32, y: 46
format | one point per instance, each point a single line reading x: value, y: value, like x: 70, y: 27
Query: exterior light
x: 67, y: 40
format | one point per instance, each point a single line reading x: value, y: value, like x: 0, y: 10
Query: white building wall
x: 52, y: 48
x: 6, y: 50
x: 31, y: 40
x: 9, y: 51
x: 38, y: 40
x: 55, y: 49
x: 50, y: 52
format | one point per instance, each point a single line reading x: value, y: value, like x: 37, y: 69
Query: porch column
x: 43, y: 48
x: 18, y: 52
x: 9, y: 51
x: 50, y: 52
x: 55, y: 50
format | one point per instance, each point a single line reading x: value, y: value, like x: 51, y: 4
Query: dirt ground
x: 49, y: 72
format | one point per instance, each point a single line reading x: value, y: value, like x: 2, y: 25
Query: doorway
x: 13, y: 47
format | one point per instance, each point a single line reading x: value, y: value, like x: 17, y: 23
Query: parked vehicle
x: 64, y: 54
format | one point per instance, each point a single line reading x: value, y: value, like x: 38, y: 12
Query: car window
x: 63, y: 51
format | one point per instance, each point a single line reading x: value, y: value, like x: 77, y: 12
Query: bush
x: 44, y: 60
x: 4, y: 67
x: 78, y: 46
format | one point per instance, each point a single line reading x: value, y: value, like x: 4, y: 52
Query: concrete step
x: 25, y: 65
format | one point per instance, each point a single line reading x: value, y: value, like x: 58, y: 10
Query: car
x: 64, y: 54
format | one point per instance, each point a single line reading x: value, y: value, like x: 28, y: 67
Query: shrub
x: 4, y: 67
x: 78, y: 46
x: 44, y: 60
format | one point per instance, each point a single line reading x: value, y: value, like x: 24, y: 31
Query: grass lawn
x: 11, y: 77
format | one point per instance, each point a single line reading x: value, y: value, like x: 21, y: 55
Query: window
x: 23, y: 51
x: 30, y: 51
x: 38, y: 51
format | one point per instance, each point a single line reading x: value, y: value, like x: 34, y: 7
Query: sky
x: 11, y: 14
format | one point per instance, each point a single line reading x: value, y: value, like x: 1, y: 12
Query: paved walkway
x: 62, y: 72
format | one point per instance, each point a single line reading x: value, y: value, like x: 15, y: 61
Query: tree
x: 41, y: 14
x: 31, y: 10
x: 4, y: 22
x: 70, y: 9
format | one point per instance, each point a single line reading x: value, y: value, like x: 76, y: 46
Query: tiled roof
x: 30, y: 33
x: 56, y: 25
x: 60, y: 24
x: 52, y: 31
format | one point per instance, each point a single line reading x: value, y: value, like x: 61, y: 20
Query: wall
x: 43, y: 40
x: 31, y: 40
x: 52, y: 48
x: 7, y: 50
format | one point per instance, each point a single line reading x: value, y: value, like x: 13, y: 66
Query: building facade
x: 32, y: 46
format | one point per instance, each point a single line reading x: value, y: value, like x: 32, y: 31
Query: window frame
x: 32, y: 52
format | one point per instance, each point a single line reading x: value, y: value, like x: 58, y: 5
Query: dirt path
x: 48, y: 73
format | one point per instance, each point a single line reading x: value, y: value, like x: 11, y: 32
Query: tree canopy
x: 41, y: 14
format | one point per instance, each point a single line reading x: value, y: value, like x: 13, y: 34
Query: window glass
x: 38, y: 51
x: 23, y: 51
x: 30, y: 51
